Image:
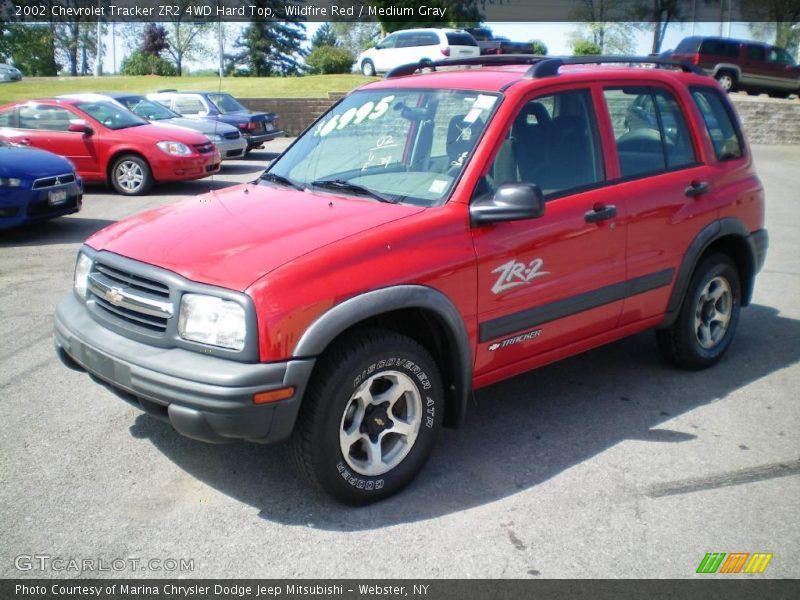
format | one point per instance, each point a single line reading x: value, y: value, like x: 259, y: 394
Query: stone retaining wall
x: 765, y: 120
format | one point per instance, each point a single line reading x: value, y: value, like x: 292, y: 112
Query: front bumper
x: 177, y: 168
x: 232, y: 148
x: 24, y: 205
x: 203, y: 397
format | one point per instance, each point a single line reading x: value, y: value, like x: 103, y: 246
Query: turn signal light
x: 273, y: 395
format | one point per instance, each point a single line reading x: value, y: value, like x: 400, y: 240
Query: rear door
x: 45, y: 126
x: 663, y: 184
x: 549, y: 282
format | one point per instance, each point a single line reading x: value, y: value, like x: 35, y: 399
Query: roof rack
x: 549, y: 67
x: 477, y: 61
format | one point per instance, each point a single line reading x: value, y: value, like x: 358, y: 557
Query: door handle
x: 601, y: 213
x: 697, y: 188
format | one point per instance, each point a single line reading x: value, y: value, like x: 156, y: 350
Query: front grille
x: 233, y: 135
x: 206, y: 148
x: 46, y: 182
x: 130, y: 300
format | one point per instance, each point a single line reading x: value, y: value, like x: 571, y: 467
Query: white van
x: 414, y: 45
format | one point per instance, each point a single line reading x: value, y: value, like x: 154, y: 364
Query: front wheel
x: 368, y: 68
x: 131, y: 175
x: 370, y: 416
x: 708, y: 316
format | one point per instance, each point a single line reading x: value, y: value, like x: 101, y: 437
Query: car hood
x: 235, y: 236
x: 161, y: 133
x: 30, y: 163
x: 204, y: 127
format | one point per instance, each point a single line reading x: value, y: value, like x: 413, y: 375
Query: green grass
x: 310, y: 86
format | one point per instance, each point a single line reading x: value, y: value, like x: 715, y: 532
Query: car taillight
x: 697, y: 58
x: 446, y: 51
x: 243, y: 126
x: 252, y: 125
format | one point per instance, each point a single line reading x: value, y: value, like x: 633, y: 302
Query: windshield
x: 152, y: 111
x: 401, y: 145
x: 226, y: 103
x: 110, y: 115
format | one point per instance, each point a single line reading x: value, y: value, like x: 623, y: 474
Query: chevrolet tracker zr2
x: 431, y: 234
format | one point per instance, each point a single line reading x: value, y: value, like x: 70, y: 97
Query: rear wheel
x: 370, y: 416
x: 708, y: 317
x: 131, y: 175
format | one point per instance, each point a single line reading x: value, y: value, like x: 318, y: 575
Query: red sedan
x: 109, y: 144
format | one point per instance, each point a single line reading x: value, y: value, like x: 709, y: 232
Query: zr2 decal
x: 514, y: 273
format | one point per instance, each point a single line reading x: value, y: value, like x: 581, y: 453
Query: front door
x: 549, y: 282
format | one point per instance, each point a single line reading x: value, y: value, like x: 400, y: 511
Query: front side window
x: 110, y: 115
x: 720, y: 123
x: 552, y: 143
x: 388, y: 42
x: 226, y: 103
x: 392, y: 145
x: 650, y: 131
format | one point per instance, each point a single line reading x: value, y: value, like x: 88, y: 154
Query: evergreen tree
x: 269, y: 48
x: 325, y: 36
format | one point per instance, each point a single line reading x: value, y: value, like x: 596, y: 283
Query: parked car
x: 742, y: 64
x: 429, y: 235
x: 35, y: 185
x: 9, y: 73
x: 491, y: 44
x: 414, y: 45
x: 110, y: 144
x: 256, y: 127
x: 228, y: 140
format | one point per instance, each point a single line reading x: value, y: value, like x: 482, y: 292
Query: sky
x: 556, y: 37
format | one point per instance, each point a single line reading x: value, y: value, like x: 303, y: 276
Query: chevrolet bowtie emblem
x: 114, y: 296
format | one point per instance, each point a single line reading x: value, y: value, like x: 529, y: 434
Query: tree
x: 778, y: 18
x: 32, y: 48
x: 659, y: 13
x: 154, y: 39
x: 356, y: 37
x: 270, y: 47
x: 582, y: 47
x: 141, y: 63
x: 185, y: 42
x: 539, y: 47
x: 325, y: 36
x: 327, y: 60
x: 460, y: 13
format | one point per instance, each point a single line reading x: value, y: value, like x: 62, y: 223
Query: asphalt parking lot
x: 609, y: 464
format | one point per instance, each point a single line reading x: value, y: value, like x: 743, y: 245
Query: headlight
x: 82, y: 268
x: 211, y: 320
x: 10, y: 182
x: 214, y: 137
x: 174, y: 148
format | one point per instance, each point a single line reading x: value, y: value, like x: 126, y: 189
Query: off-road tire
x: 681, y: 344
x: 317, y: 442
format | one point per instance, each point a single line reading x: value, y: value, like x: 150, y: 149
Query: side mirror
x: 80, y: 126
x: 511, y: 202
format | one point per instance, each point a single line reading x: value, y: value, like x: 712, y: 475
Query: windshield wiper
x: 345, y: 185
x: 275, y: 178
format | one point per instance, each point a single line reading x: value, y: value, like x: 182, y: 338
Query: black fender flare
x: 318, y: 336
x: 728, y: 226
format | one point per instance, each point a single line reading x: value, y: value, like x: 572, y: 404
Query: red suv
x: 109, y: 144
x: 429, y: 235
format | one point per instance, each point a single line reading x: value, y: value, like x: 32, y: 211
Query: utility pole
x: 114, y: 46
x: 221, y: 49
x: 98, y: 61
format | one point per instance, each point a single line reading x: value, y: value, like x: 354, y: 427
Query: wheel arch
x: 122, y: 152
x: 423, y: 314
x: 729, y: 236
x: 735, y: 69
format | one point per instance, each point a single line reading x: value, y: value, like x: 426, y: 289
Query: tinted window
x: 48, y: 118
x: 461, y: 39
x: 720, y: 123
x: 688, y: 46
x: 783, y: 57
x: 552, y: 143
x: 650, y: 130
x: 719, y: 48
x: 756, y: 53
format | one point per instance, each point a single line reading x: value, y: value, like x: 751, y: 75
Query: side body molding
x: 728, y: 226
x: 371, y: 304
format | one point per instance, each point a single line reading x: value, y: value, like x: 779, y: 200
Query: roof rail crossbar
x: 549, y: 67
x: 478, y: 61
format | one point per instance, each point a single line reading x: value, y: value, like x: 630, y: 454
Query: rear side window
x: 461, y: 39
x: 650, y: 131
x: 189, y: 105
x: 688, y: 46
x: 720, y: 48
x: 720, y: 123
